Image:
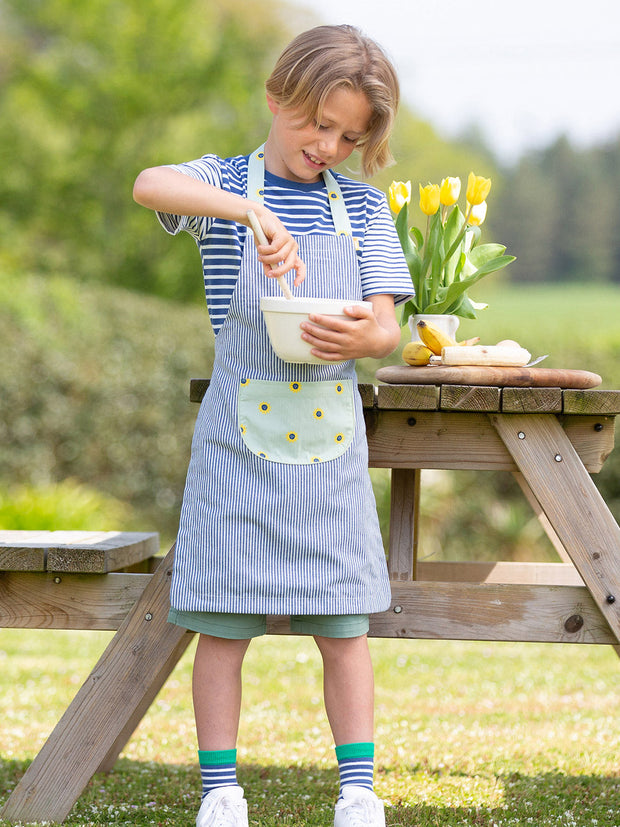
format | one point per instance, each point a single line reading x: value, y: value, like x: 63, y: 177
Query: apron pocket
x: 298, y: 423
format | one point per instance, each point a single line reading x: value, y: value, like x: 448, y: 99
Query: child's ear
x: 273, y: 106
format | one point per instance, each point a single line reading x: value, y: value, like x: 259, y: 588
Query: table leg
x: 404, y: 514
x: 571, y: 502
x: 104, y: 711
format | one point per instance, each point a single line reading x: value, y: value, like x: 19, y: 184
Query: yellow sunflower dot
x: 291, y: 436
x: 339, y: 437
x: 262, y: 455
x: 245, y: 381
x: 316, y: 459
x: 264, y: 407
x: 295, y: 386
x: 339, y: 388
x: 318, y: 414
x: 243, y: 428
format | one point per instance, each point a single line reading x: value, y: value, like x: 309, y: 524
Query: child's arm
x: 167, y: 190
x: 374, y: 333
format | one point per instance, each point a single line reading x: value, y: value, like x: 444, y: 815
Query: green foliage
x: 557, y: 213
x: 66, y: 505
x: 95, y: 388
x: 90, y: 94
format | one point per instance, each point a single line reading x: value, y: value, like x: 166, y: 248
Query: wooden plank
x: 469, y: 398
x: 591, y: 401
x: 531, y: 400
x: 17, y: 558
x: 368, y: 394
x: 117, y: 551
x: 68, y: 601
x: 408, y: 397
x: 404, y: 512
x: 107, y: 764
x: 592, y: 437
x: 436, y: 439
x: 464, y: 440
x: 77, y: 551
x: 470, y: 611
x: 524, y: 573
x: 101, y: 710
x: 572, y: 503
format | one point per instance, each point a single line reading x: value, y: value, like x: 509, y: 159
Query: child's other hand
x: 281, y: 254
x: 368, y: 332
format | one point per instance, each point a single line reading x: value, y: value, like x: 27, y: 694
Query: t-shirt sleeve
x: 383, y: 266
x: 207, y: 169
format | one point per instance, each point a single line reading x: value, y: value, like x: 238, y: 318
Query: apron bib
x: 278, y: 514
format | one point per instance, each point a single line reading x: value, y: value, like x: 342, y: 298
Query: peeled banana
x: 434, y: 338
x: 417, y: 353
x: 491, y: 355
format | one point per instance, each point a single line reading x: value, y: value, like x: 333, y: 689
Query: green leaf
x: 458, y: 288
x: 401, y: 223
x: 480, y: 255
x: 418, y: 237
x: 451, y: 233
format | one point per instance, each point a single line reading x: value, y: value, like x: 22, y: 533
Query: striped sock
x: 356, y: 764
x: 218, y: 768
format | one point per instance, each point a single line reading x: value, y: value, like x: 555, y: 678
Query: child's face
x: 301, y: 153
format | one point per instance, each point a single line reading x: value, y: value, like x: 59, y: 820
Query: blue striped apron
x: 278, y: 513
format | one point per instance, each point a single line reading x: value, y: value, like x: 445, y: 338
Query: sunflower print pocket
x: 298, y: 423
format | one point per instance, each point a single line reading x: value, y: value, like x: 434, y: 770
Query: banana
x: 491, y: 355
x: 434, y: 338
x: 416, y: 353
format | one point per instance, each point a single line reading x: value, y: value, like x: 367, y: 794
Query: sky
x: 522, y: 72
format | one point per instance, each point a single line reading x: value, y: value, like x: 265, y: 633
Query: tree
x: 90, y: 93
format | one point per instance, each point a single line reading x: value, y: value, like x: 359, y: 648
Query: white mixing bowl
x: 283, y: 318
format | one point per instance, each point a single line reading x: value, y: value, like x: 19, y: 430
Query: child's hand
x: 281, y: 253
x: 368, y: 332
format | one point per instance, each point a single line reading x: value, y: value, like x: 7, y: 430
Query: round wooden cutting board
x: 486, y: 375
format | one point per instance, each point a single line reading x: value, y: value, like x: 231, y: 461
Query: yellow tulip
x: 399, y: 195
x: 429, y: 199
x: 478, y: 189
x: 477, y: 213
x: 449, y: 191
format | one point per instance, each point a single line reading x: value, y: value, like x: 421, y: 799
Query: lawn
x: 468, y: 733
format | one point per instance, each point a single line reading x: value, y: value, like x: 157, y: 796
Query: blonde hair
x: 326, y: 58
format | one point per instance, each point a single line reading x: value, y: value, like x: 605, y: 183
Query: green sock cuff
x: 362, y: 749
x: 214, y: 757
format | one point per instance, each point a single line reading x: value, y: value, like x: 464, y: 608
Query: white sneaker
x: 223, y: 807
x: 359, y: 807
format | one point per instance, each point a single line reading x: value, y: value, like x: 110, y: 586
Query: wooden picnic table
x: 551, y: 439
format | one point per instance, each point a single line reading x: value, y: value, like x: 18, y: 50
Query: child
x: 278, y: 514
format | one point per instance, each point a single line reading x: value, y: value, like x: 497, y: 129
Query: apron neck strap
x: 256, y: 190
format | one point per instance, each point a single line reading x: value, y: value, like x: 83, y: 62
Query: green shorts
x: 244, y: 626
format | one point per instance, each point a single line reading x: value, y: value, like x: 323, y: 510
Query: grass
x: 468, y: 733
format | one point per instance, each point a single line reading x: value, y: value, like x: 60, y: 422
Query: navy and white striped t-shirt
x: 303, y: 209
